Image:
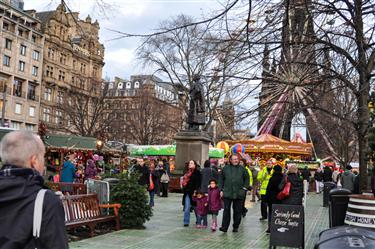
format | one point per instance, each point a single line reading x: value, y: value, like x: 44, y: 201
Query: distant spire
x: 274, y: 66
x: 266, y: 61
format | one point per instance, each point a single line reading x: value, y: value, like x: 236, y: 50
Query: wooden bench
x: 83, y: 210
x: 72, y: 188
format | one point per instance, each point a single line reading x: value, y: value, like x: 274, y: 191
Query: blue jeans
x: 152, y: 195
x: 202, y: 219
x: 187, y: 211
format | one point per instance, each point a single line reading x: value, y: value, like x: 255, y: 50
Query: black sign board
x: 287, y: 226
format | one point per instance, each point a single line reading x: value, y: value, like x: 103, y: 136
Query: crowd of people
x: 225, y: 187
x: 346, y: 178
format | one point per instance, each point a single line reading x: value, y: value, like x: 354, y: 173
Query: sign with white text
x: 287, y: 226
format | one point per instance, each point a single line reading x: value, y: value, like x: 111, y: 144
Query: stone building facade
x: 73, y: 62
x: 21, y: 52
x: 142, y: 112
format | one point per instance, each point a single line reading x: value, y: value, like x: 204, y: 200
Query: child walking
x: 202, y: 208
x: 214, y: 202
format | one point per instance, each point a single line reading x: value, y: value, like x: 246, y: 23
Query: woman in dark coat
x: 208, y: 173
x: 296, y: 188
x: 273, y: 190
x: 191, y: 182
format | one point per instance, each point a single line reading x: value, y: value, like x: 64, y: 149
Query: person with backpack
x: 24, y: 197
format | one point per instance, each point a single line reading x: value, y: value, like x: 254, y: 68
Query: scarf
x: 186, y: 178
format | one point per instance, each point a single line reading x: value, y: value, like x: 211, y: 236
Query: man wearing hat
x: 347, y: 179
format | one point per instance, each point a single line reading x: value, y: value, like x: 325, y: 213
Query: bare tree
x: 152, y: 121
x: 86, y: 114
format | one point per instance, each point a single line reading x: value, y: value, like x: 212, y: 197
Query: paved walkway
x: 165, y: 230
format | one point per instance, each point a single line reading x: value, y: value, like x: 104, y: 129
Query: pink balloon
x: 101, y: 158
x: 96, y: 157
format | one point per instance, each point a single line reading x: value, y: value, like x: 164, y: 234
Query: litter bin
x: 327, y: 187
x: 346, y: 237
x: 338, y: 203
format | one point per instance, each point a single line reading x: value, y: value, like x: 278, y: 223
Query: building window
x: 128, y: 85
x: 23, y: 50
x: 21, y: 66
x: 82, y: 83
x: 51, y: 53
x: 74, y: 64
x: 31, y: 92
x: 49, y: 71
x: 36, y: 55
x: 20, y: 32
x: 33, y: 38
x: 17, y: 88
x: 73, y: 80
x: 8, y: 44
x: 60, y: 96
x: 6, y: 60
x: 30, y: 127
x: 63, y: 59
x: 58, y: 118
x: 136, y: 84
x: 83, y: 68
x: 61, y: 75
x: 15, y: 125
x: 35, y: 71
x: 18, y: 109
x: 5, y: 26
x: 32, y: 111
x: 48, y: 94
x: 46, y: 115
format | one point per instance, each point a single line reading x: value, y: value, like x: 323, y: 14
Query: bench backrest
x: 81, y: 207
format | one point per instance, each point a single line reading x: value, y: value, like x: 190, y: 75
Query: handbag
x: 152, y: 185
x: 284, y: 193
x: 164, y: 178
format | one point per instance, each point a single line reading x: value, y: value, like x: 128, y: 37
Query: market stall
x: 266, y: 146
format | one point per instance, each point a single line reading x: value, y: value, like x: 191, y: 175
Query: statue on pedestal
x: 197, y: 106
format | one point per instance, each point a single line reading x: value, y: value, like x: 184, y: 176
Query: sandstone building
x: 73, y: 62
x: 21, y: 51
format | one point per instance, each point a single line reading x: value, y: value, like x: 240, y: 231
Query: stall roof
x: 70, y: 142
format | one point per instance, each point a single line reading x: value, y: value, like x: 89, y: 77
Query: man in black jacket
x: 22, y: 155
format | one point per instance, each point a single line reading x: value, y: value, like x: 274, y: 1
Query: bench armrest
x: 114, y: 206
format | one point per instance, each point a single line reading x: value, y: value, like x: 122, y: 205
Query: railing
x: 71, y: 188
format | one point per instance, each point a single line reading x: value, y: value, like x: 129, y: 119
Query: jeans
x: 263, y: 207
x: 237, y: 211
x: 152, y: 195
x: 203, y: 219
x: 187, y: 211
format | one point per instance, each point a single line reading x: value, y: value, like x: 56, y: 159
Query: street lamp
x: 99, y: 144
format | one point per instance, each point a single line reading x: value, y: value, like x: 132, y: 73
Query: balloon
x: 96, y: 157
x: 101, y: 158
x: 223, y: 145
x: 238, y: 148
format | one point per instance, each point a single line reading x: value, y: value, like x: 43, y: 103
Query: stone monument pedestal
x: 191, y: 145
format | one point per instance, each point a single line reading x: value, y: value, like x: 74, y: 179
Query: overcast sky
x: 130, y: 16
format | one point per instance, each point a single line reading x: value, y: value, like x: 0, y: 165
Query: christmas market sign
x: 167, y: 150
x: 287, y: 226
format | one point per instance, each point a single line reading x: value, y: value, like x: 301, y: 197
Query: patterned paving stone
x: 165, y: 230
